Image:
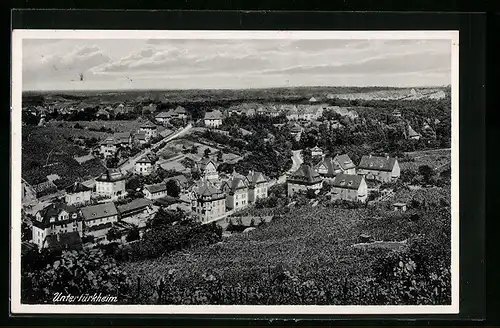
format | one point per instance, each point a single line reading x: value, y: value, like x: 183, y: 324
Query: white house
x: 54, y: 219
x: 155, y: 191
x: 208, y: 202
x: 149, y: 129
x: 316, y: 151
x: 111, y: 184
x: 98, y: 219
x: 236, y: 191
x: 208, y: 169
x: 349, y: 187
x: 257, y: 186
x: 77, y: 194
x: 145, y: 165
x: 383, y: 169
x: 108, y: 148
x: 305, y: 178
x: 213, y: 119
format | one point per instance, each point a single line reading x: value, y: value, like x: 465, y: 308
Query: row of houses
x: 178, y: 113
x: 347, y: 181
x: 120, y: 140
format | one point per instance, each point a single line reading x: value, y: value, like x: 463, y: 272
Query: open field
x: 49, y: 150
x: 436, y: 159
x: 116, y: 126
x: 312, y: 244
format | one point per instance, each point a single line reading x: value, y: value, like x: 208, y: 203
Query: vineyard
x: 432, y: 158
x: 305, y: 257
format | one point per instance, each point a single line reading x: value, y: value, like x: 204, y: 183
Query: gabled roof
x: 208, y: 190
x: 55, y: 209
x: 99, y: 211
x: 148, y: 125
x: 213, y: 115
x: 344, y: 161
x: 205, y: 161
x: 109, y: 141
x: 111, y: 175
x: 235, y: 183
x: 140, y: 136
x: 305, y: 174
x: 136, y: 204
x: 164, y: 115
x: 155, y: 188
x: 332, y: 166
x: 377, y: 163
x: 347, y: 181
x: 316, y: 149
x: 122, y: 137
x: 146, y: 160
x: 76, y: 188
x: 180, y: 110
x: 254, y: 178
x: 412, y: 133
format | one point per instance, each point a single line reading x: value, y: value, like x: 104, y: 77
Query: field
x: 311, y: 244
x: 115, y: 126
x: 48, y: 150
x: 436, y: 159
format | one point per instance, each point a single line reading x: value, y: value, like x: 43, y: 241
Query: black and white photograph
x: 235, y: 172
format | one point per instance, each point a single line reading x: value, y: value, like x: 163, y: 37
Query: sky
x: 107, y: 64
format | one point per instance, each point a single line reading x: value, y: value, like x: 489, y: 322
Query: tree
x: 207, y: 152
x: 113, y: 234
x: 307, y: 156
x: 426, y: 172
x: 133, y: 234
x: 173, y: 188
x: 76, y: 273
x: 219, y: 156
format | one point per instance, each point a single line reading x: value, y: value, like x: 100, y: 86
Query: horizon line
x: 239, y: 89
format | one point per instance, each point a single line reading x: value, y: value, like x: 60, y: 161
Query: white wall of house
x: 239, y: 200
x: 78, y: 198
x: 108, y: 151
x: 213, y: 123
x: 297, y: 187
x: 208, y: 211
x: 156, y: 195
x: 111, y: 189
x: 350, y: 194
x: 102, y: 220
x: 143, y: 168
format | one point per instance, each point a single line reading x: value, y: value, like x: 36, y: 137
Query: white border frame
x: 16, y: 99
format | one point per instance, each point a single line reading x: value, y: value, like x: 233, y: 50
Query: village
x: 85, y: 212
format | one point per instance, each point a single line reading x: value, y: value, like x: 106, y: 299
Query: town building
x: 349, y: 187
x: 123, y: 139
x: 292, y: 114
x: 296, y: 131
x: 149, y: 129
x: 330, y: 167
x: 316, y: 151
x: 312, y: 99
x: 399, y: 207
x: 28, y: 194
x: 139, y: 208
x: 111, y: 184
x: 257, y: 184
x: 181, y: 181
x: 236, y: 191
x: 345, y: 163
x: 141, y: 138
x: 305, y: 178
x: 412, y: 134
x: 383, y: 169
x: 208, y: 203
x: 101, y: 114
x: 54, y: 219
x: 180, y: 113
x: 77, y: 194
x: 163, y: 117
x: 145, y: 165
x: 396, y: 113
x: 208, y: 169
x: 155, y: 191
x: 213, y: 119
x: 108, y: 148
x: 98, y: 219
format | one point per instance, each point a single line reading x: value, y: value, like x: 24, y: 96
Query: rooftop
x: 99, y: 211
x: 347, y: 181
x: 377, y: 163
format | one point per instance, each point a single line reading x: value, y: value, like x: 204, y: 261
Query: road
x: 296, y: 161
x: 129, y: 165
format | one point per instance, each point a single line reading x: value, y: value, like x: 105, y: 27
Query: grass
x: 433, y: 158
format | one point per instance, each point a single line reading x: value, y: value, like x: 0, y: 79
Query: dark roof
x: 332, y: 166
x: 42, y: 186
x: 213, y: 115
x: 164, y: 115
x: 136, y: 204
x: 148, y: 125
x: 111, y: 175
x: 347, y: 181
x: 207, y: 190
x: 168, y: 200
x: 68, y: 240
x: 141, y: 136
x: 76, y: 188
x: 344, y: 161
x: 235, y: 183
x: 305, y: 174
x: 377, y: 163
x: 99, y: 211
x: 56, y: 208
x: 122, y: 137
x: 254, y: 178
x: 205, y: 161
x: 181, y: 179
x: 154, y: 188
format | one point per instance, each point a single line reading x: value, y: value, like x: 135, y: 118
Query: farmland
x: 49, y: 150
x: 310, y: 245
x: 115, y: 126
